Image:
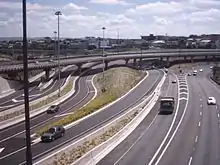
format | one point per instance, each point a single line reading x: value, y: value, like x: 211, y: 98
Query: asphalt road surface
x: 15, y: 154
x: 192, y: 139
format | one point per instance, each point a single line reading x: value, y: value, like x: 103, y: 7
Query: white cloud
x: 111, y: 2
x: 181, y: 17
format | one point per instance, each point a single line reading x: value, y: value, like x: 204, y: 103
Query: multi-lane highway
x: 14, y: 146
x: 188, y: 137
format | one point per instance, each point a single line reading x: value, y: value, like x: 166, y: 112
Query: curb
x: 7, y: 93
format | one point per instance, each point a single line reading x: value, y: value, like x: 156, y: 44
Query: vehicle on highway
x: 194, y: 72
x: 53, y: 109
x: 53, y: 133
x: 189, y: 74
x: 51, y: 60
x: 173, y: 81
x: 211, y: 101
x: 166, y: 70
x: 211, y: 67
x: 166, y: 105
x: 36, y: 62
x: 201, y: 70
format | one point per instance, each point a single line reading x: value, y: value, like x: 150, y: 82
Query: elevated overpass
x: 167, y: 56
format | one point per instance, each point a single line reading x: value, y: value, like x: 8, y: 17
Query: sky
x: 129, y: 18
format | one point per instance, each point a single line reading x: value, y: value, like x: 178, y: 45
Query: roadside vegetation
x: 69, y: 156
x: 115, y: 83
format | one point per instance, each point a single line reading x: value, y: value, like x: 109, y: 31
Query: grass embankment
x: 116, y: 82
x: 69, y: 156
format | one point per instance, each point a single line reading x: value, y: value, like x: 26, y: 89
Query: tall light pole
x: 26, y: 86
x: 118, y: 40
x: 58, y: 13
x: 103, y: 55
x: 55, y: 40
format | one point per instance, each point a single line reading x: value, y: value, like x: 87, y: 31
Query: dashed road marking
x: 196, y: 139
x: 200, y: 99
x: 218, y: 115
x: 216, y: 107
x: 199, y: 124
x: 190, y: 161
x: 200, y: 113
x: 183, y: 98
x: 1, y: 149
x: 201, y: 105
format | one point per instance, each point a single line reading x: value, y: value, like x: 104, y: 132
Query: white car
x: 211, y: 101
x: 201, y: 70
x: 174, y: 81
x: 211, y: 67
x: 195, y: 71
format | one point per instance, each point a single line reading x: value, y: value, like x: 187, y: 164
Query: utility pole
x: 58, y: 13
x: 103, y: 55
x: 26, y: 86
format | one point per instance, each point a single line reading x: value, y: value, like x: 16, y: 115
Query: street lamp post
x: 118, y: 40
x: 103, y: 61
x: 58, y: 13
x: 26, y: 86
x: 55, y: 44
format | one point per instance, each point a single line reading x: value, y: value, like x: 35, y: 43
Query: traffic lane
x: 71, y: 104
x: 208, y: 147
x: 10, y: 104
x: 14, y: 95
x: 182, y: 144
x: 90, y: 123
x: 10, y: 147
x: 135, y: 148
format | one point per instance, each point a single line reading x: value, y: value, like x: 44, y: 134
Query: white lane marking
x: 65, y: 114
x: 196, y: 139
x: 200, y: 113
x: 1, y: 149
x: 200, y: 99
x: 216, y: 107
x: 158, y: 160
x: 183, y: 98
x: 136, y: 141
x: 201, y: 105
x: 183, y: 93
x: 171, y: 126
x: 218, y: 115
x: 190, y: 161
x: 91, y: 91
x: 199, y: 124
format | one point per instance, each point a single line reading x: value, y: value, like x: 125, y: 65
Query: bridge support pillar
x: 140, y: 62
x: 161, y: 58
x: 192, y: 60
x: 168, y: 59
x: 47, y: 74
x: 106, y: 65
x: 213, y: 57
x: 185, y: 58
x: 126, y: 61
x: 79, y: 67
x: 206, y: 57
x: 135, y: 61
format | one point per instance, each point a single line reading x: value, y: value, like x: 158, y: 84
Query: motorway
x: 14, y: 152
x: 190, y: 136
x: 34, y: 92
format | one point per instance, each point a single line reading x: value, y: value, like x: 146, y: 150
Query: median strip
x: 91, y: 148
x: 116, y: 82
